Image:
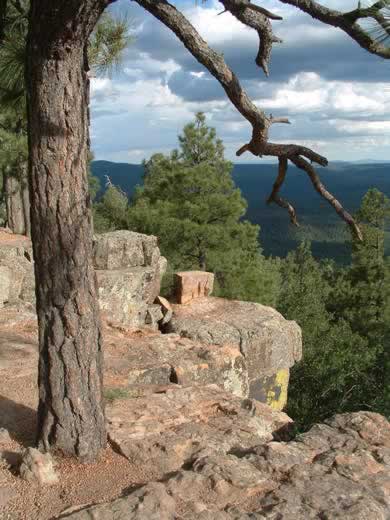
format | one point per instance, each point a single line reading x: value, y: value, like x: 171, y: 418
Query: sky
x: 336, y: 95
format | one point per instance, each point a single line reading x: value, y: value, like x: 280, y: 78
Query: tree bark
x: 70, y: 412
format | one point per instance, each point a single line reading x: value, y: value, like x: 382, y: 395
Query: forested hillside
x: 318, y: 221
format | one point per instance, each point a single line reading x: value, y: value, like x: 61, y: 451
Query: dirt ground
x: 79, y: 484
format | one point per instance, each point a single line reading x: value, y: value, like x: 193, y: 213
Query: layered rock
x: 129, y: 268
x: 340, y: 469
x: 173, y: 427
x: 269, y: 343
x: 162, y: 359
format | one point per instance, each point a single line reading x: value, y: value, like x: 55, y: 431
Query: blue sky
x: 336, y: 94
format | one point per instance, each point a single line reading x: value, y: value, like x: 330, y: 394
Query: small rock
x: 38, y: 467
x: 190, y: 285
x: 166, y: 309
x: 4, y: 436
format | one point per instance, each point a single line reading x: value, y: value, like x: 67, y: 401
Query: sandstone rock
x: 123, y: 294
x: 125, y: 249
x: 169, y: 429
x: 331, y: 472
x: 129, y: 270
x: 152, y: 502
x: 16, y: 269
x: 166, y: 309
x: 38, y: 467
x: 190, y: 285
x: 161, y: 359
x: 4, y: 436
x: 338, y: 470
x: 154, y: 316
x: 269, y: 343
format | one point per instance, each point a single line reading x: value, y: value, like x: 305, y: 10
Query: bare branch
x: 347, y: 22
x: 259, y: 19
x: 260, y: 123
x: 308, y: 168
x: 275, y: 197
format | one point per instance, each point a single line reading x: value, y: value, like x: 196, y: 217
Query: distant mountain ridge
x: 318, y: 221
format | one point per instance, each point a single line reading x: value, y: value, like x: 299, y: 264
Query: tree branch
x: 258, y: 18
x: 347, y: 22
x: 260, y: 123
x: 275, y: 197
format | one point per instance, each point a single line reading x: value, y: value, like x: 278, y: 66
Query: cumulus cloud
x: 334, y: 92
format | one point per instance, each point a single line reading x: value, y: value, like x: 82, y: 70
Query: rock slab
x: 172, y: 428
x: 163, y: 359
x: 337, y: 470
x: 269, y: 343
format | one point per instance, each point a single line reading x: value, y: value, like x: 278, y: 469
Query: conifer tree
x: 334, y: 357
x: 189, y: 200
x: 105, y: 50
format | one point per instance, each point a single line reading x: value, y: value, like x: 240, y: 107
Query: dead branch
x: 258, y: 145
x: 308, y: 168
x: 348, y: 22
x: 275, y: 197
x: 258, y: 18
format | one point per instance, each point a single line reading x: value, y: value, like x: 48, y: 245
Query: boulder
x: 124, y: 295
x: 16, y: 269
x: 129, y: 270
x: 269, y: 343
x: 172, y: 428
x: 190, y: 285
x: 124, y: 249
x: 38, y: 467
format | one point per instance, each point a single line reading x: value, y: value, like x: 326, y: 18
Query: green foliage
x: 344, y: 314
x: 107, y: 44
x: 334, y: 357
x: 190, y: 202
x: 111, y: 212
x: 12, y: 56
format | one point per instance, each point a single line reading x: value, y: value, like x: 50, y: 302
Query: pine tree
x: 360, y: 296
x: 105, y: 51
x: 189, y: 200
x: 324, y: 382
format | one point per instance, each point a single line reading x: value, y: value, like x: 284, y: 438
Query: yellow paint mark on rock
x: 277, y: 394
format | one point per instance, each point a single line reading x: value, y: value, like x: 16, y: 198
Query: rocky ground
x: 190, y: 432
x: 186, y: 451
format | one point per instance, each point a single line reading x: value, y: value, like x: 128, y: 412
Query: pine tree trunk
x: 17, y: 202
x: 70, y: 412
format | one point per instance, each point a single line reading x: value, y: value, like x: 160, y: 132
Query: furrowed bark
x: 70, y: 411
